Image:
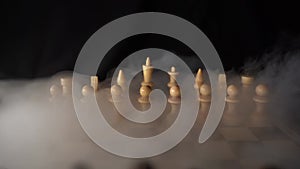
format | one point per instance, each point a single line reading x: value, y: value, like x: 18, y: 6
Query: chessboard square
x: 250, y: 163
x: 215, y: 150
x: 268, y: 133
x: 219, y: 164
x: 216, y: 136
x: 282, y: 149
x: 238, y: 134
x: 290, y: 164
x: 248, y: 149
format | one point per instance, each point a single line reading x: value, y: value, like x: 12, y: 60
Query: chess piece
x: 55, y: 91
x: 144, y: 92
x: 232, y: 98
x: 94, y: 83
x: 231, y: 116
x: 259, y: 118
x: 261, y: 94
x: 205, y: 93
x: 222, y: 80
x: 174, y: 95
x: 232, y: 94
x: 173, y: 75
x: 116, y: 93
x: 66, y: 84
x: 86, y: 90
x: 199, y: 79
x: 261, y: 97
x: 147, y: 73
x: 121, y: 80
x: 247, y: 81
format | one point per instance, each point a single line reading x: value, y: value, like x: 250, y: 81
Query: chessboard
x: 38, y: 130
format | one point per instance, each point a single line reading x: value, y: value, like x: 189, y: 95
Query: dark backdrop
x: 40, y: 38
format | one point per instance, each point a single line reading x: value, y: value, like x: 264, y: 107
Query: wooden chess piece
x: 95, y: 83
x: 199, y: 79
x: 144, y: 92
x: 174, y: 95
x: 147, y: 73
x: 231, y: 117
x: 259, y: 118
x: 87, y: 90
x: 247, y: 81
x: 205, y: 93
x: 116, y: 93
x: 66, y: 84
x: 173, y: 75
x: 247, y: 88
x: 222, y: 80
x: 262, y: 92
x: 232, y: 94
x: 121, y: 80
x: 55, y: 91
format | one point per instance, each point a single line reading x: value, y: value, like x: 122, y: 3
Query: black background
x: 40, y: 38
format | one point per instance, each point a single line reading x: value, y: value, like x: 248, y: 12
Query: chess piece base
x: 205, y: 99
x: 114, y: 100
x: 231, y: 100
x: 143, y: 100
x: 174, y: 100
x: 260, y: 99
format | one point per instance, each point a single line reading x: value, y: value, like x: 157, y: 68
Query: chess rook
x: 66, y: 84
x: 222, y: 80
x: 247, y: 81
x: 94, y: 83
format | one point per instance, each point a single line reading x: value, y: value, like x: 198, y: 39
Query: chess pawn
x: 173, y: 75
x: 95, y: 83
x: 232, y: 97
x: 86, y: 92
x: 259, y: 118
x: 144, y: 92
x: 147, y: 73
x: 205, y: 93
x: 66, y: 84
x: 116, y: 93
x: 231, y: 116
x: 55, y: 91
x: 261, y: 97
x: 121, y: 80
x: 174, y: 95
x: 199, y: 79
